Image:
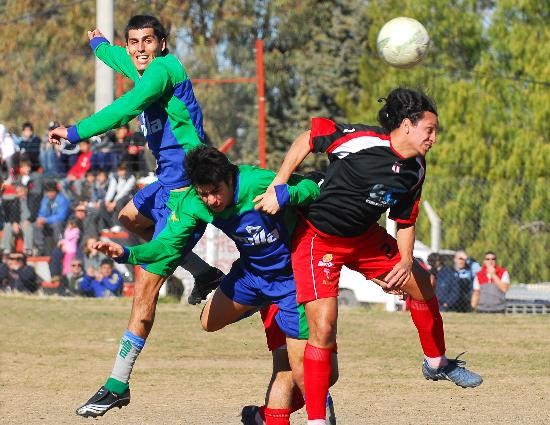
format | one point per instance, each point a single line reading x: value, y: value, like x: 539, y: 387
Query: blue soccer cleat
x: 454, y: 371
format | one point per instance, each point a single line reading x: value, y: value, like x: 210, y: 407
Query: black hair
x: 107, y: 261
x: 27, y: 124
x: 207, y: 165
x: 50, y: 186
x: 404, y: 103
x: 139, y: 22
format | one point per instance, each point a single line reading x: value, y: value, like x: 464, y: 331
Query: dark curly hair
x: 206, y: 165
x: 404, y: 103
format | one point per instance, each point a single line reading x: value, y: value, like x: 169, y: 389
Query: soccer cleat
x: 202, y: 289
x: 330, y: 415
x: 454, y: 371
x: 102, y: 401
x: 250, y: 415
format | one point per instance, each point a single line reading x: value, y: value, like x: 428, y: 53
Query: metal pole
x: 104, y: 76
x: 260, y: 88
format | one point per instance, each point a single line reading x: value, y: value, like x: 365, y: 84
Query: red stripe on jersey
x: 412, y: 218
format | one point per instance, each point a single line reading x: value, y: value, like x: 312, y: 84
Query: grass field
x: 56, y: 352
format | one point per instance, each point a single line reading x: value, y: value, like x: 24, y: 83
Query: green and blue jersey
x: 263, y: 240
x: 163, y: 98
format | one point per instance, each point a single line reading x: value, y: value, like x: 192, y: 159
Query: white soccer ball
x: 403, y: 42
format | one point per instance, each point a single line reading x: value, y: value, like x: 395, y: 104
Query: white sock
x: 436, y: 362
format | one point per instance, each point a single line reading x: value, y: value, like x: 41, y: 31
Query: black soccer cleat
x: 102, y: 401
x: 202, y: 289
x: 250, y: 415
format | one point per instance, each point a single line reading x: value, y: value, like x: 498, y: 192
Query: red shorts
x: 273, y: 334
x: 317, y: 258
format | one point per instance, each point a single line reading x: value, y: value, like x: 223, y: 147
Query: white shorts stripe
x: 311, y: 265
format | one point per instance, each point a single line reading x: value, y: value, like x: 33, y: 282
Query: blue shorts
x: 152, y: 202
x: 246, y: 288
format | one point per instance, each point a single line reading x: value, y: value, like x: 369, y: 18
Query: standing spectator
x: 447, y: 288
x: 101, y: 185
x: 8, y: 149
x: 20, y: 214
x: 119, y: 192
x: 54, y: 209
x: 86, y: 221
x: 106, y: 283
x: 490, y: 286
x: 21, y: 277
x: 30, y: 145
x: 465, y: 274
x: 69, y: 244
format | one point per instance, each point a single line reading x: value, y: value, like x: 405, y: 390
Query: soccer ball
x: 403, y: 42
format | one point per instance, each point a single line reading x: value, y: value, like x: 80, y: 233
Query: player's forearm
x: 405, y: 241
x: 302, y: 191
x: 298, y: 151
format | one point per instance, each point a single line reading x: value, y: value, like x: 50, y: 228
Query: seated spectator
x: 106, y: 153
x: 92, y: 257
x: 21, y: 277
x: 84, y: 188
x: 33, y: 180
x: 118, y: 194
x: 74, y: 278
x: 490, y: 286
x: 106, y: 283
x: 99, y: 191
x: 86, y: 221
x: 465, y: 276
x: 53, y: 211
x: 78, y: 170
x: 133, y: 149
x: 49, y: 156
x: 69, y: 244
x: 29, y: 146
x: 447, y: 288
x: 20, y: 214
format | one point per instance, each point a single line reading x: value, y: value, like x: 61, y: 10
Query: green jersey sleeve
x: 164, y: 253
x: 114, y: 57
x: 154, y: 85
x: 302, y: 191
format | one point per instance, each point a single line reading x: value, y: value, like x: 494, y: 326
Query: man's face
x: 26, y: 132
x: 216, y: 197
x: 51, y: 194
x: 143, y: 46
x: 422, y: 136
x: 105, y: 270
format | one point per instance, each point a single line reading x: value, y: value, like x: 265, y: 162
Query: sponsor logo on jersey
x: 348, y: 130
x: 326, y: 261
x: 382, y: 196
x: 174, y: 217
x: 258, y: 236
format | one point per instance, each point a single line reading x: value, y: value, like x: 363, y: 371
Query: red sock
x: 277, y: 416
x: 297, y: 400
x: 317, y: 369
x: 429, y: 324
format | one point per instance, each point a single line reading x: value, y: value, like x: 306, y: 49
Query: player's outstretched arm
x: 267, y: 202
x: 110, y: 249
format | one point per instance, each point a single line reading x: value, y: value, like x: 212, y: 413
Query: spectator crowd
x: 58, y: 199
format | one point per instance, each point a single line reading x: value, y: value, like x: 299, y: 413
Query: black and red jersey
x: 365, y: 177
